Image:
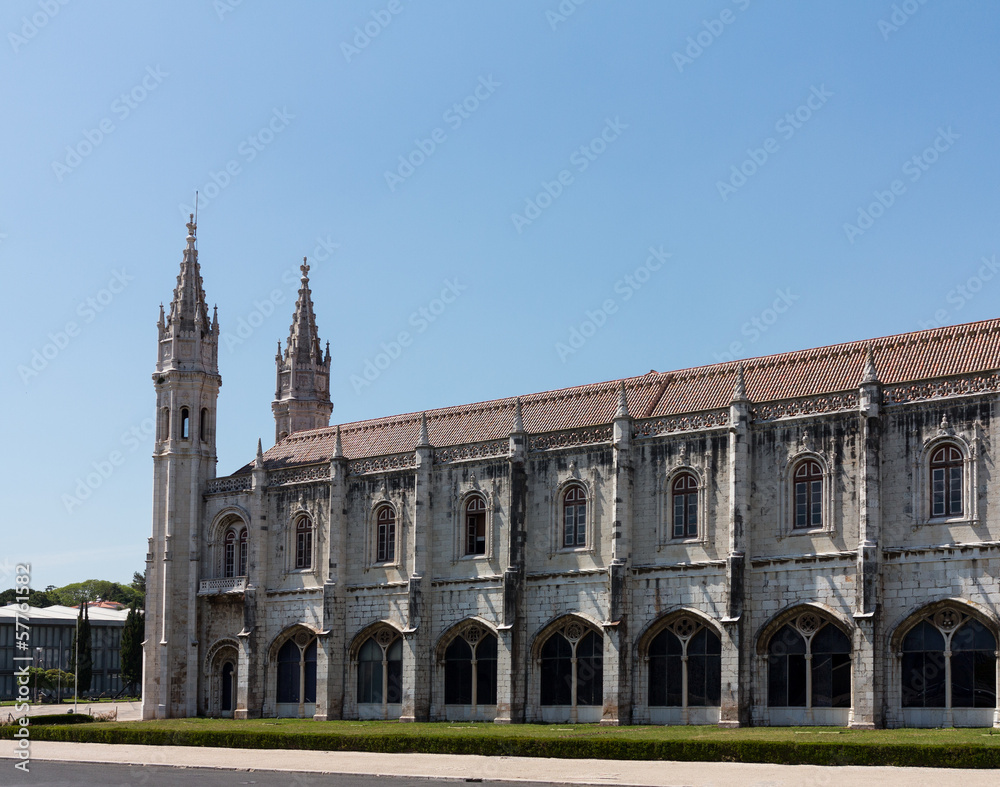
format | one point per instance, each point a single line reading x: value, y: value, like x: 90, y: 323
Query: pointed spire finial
x: 622, y: 403
x: 258, y: 463
x: 518, y: 420
x: 338, y: 447
x: 305, y: 270
x: 870, y: 374
x: 423, y: 439
x: 740, y: 387
x: 192, y: 227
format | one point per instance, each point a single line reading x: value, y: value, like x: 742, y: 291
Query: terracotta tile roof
x: 941, y: 352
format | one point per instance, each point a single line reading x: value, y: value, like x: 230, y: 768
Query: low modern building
x: 50, y: 644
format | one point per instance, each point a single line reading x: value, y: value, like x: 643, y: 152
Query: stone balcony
x: 215, y: 587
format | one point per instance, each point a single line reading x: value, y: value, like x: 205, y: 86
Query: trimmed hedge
x: 61, y: 718
x: 781, y: 752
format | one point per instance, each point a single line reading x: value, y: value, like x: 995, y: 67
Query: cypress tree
x: 83, y: 660
x: 131, y: 653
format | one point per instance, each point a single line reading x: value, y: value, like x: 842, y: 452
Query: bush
x: 61, y: 718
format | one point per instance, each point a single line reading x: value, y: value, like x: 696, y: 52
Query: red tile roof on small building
x: 907, y: 357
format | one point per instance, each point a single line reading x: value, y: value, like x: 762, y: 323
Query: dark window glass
x: 394, y: 671
x: 288, y: 672
x: 704, y: 669
x: 370, y: 672
x: 590, y: 670
x: 786, y: 669
x: 808, y: 494
x: 185, y: 423
x: 231, y: 544
x: 203, y: 424
x: 386, y: 547
x: 557, y: 671
x: 973, y: 667
x: 665, y: 675
x: 303, y: 543
x: 227, y: 687
x: 685, y: 506
x: 486, y: 670
x: 243, y: 552
x: 310, y: 667
x: 574, y: 517
x: 923, y: 675
x: 475, y: 526
x: 946, y: 481
x: 458, y: 673
x: 831, y: 668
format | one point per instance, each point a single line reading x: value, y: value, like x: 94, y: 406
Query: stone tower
x: 302, y: 390
x: 187, y: 385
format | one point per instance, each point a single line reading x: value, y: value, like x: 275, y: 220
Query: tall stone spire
x: 188, y: 340
x: 302, y: 396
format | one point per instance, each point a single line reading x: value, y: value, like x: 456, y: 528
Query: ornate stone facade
x: 810, y: 538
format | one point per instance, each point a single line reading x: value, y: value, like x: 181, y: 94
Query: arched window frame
x: 385, y: 534
x: 184, y: 428
x: 230, y: 553
x: 922, y: 507
x: 460, y: 551
x: 559, y: 514
x: 808, y: 621
x: 204, y: 425
x: 948, y: 617
x: 385, y: 636
x: 666, y: 506
x: 231, y: 518
x: 303, y: 546
x: 302, y: 638
x: 787, y: 501
x: 474, y: 633
x: 574, y: 630
x: 685, y: 624
x: 163, y: 427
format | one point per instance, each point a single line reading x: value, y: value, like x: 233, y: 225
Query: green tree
x: 82, y: 660
x: 139, y: 586
x: 131, y: 652
x: 36, y: 598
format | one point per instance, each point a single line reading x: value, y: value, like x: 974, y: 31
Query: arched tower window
x: 164, y: 425
x: 385, y: 534
x: 574, y: 506
x: 684, y: 504
x: 808, y: 478
x: 475, y: 526
x: 185, y: 423
x: 203, y: 424
x: 809, y: 665
x: 946, y: 481
x: 303, y: 543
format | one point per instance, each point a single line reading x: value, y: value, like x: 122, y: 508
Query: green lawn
x: 962, y: 748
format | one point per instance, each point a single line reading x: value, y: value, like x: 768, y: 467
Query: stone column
x: 868, y: 661
x: 417, y: 651
x: 737, y: 651
x: 330, y: 678
x: 252, y: 637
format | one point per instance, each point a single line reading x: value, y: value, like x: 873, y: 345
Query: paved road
x: 305, y: 768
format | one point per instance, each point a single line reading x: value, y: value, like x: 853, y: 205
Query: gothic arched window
x: 574, y: 516
x: 809, y: 665
x: 297, y: 671
x: 380, y: 668
x: 303, y: 543
x: 946, y: 481
x: 684, y: 504
x: 470, y: 668
x: 685, y: 653
x: 808, y: 479
x: 475, y: 526
x: 572, y: 667
x: 385, y: 534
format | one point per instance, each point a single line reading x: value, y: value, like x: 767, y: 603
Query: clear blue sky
x: 638, y: 117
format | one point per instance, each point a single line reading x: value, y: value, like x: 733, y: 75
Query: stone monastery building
x: 804, y: 538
